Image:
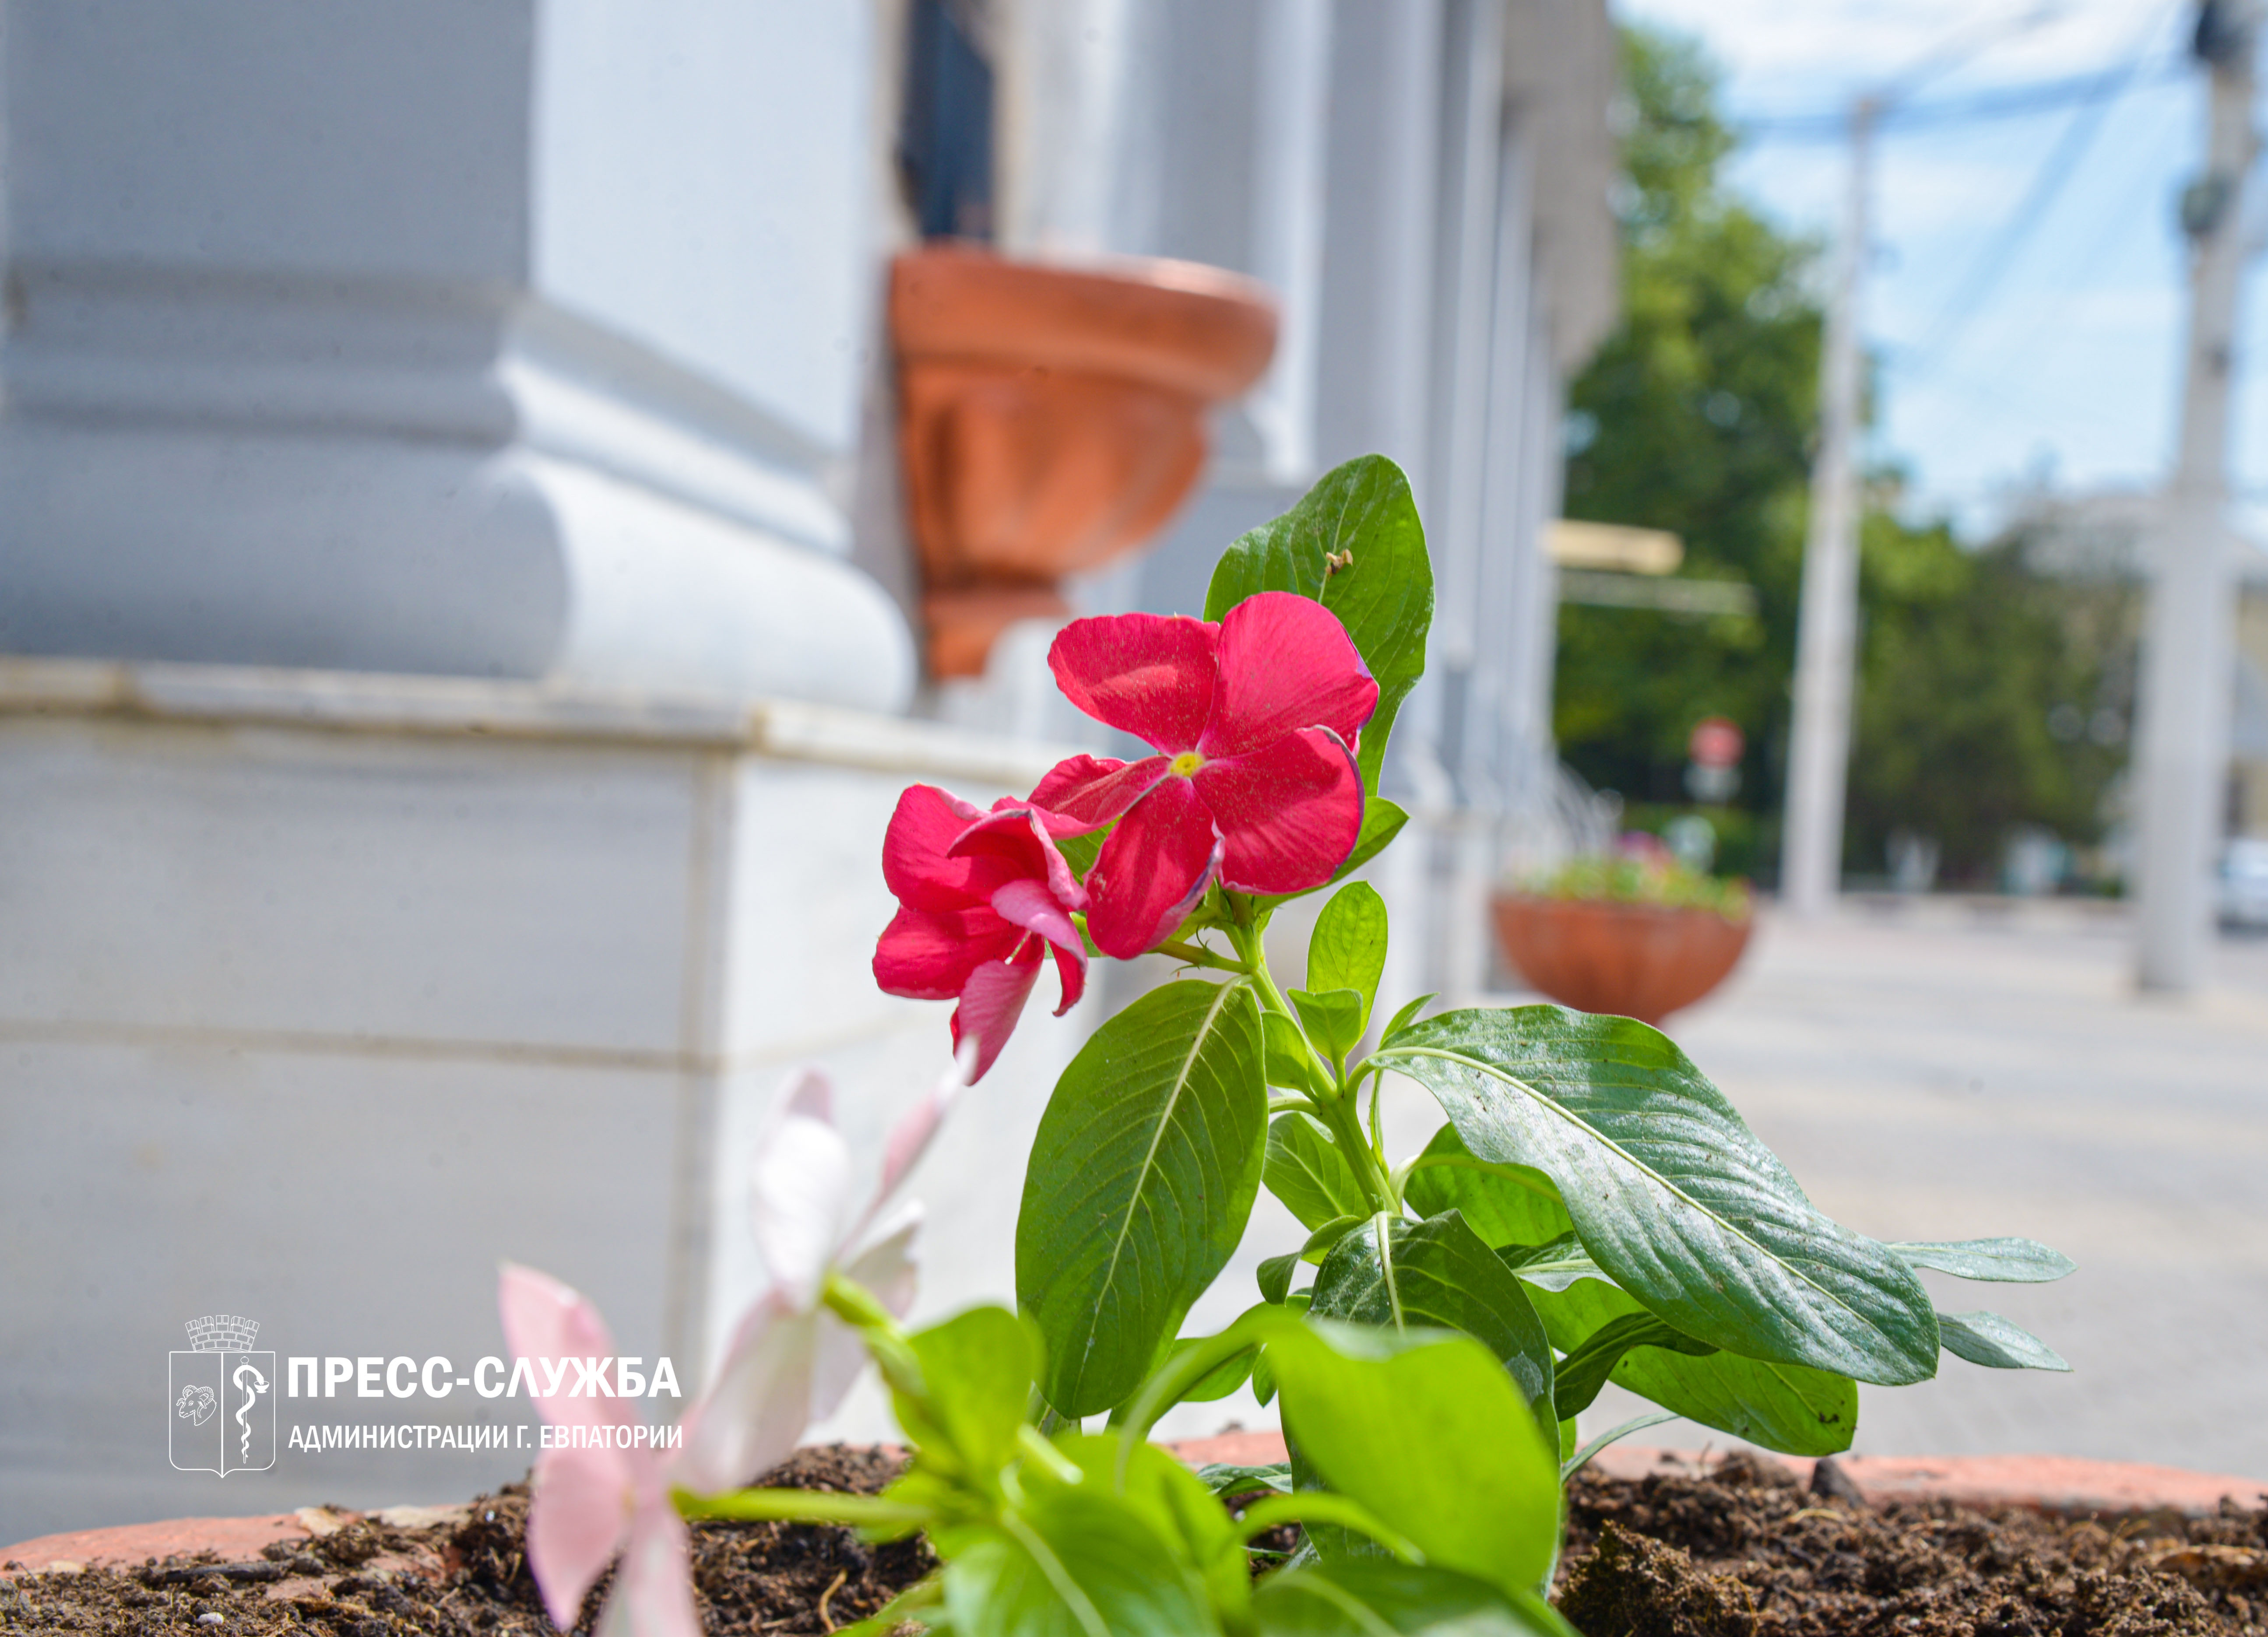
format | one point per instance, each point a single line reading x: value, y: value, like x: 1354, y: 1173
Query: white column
x: 513, y: 340
x: 1290, y: 143
x: 1382, y: 190
x: 1491, y: 733
x: 1066, y: 79
x: 1507, y: 528
x: 1474, y: 141
x: 1533, y: 625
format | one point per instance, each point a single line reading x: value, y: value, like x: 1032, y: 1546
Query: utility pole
x: 1819, y: 749
x: 2187, y: 639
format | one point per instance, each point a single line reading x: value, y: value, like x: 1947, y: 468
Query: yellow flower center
x: 1187, y: 763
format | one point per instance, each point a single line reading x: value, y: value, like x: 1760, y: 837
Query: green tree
x: 1990, y: 696
x: 1698, y: 416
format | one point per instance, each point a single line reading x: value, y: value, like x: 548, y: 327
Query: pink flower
x: 1255, y: 721
x: 592, y: 1502
x: 983, y: 898
x: 791, y: 1363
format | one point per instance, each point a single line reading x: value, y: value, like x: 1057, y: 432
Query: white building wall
x: 320, y: 994
x: 423, y: 433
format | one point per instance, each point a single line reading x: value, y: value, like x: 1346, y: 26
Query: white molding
x: 346, y: 701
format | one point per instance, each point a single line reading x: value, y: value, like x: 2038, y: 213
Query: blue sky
x: 2065, y: 371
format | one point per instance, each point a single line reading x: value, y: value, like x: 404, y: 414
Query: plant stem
x: 1344, y: 1121
x: 1338, y: 1114
x: 799, y: 1506
x: 886, y: 1341
x: 1197, y: 955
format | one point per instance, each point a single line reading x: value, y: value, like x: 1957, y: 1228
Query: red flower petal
x: 1287, y: 663
x: 1288, y: 815
x: 927, y: 822
x: 1151, y: 871
x: 1031, y: 906
x: 1070, y: 974
x: 1012, y: 844
x: 1149, y: 675
x: 991, y: 1005
x: 1085, y: 793
x: 926, y: 955
x: 1054, y: 824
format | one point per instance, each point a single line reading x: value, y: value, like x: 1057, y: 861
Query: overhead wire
x: 2062, y: 161
x: 2009, y: 102
x: 2131, y: 194
x: 2090, y: 95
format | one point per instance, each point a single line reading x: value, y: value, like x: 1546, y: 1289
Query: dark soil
x: 1744, y: 1551
x: 368, y: 1580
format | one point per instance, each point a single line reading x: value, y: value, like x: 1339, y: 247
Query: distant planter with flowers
x: 1633, y: 933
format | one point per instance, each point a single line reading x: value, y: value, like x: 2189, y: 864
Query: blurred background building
x: 465, y: 629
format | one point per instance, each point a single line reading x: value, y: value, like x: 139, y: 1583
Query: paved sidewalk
x: 1948, y: 1073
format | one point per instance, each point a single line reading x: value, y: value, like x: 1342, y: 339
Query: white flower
x: 790, y: 1364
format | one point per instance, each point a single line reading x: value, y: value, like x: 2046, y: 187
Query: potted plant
x: 1591, y: 1210
x: 1633, y: 933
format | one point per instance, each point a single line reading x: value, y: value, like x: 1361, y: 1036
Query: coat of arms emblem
x: 222, y: 1395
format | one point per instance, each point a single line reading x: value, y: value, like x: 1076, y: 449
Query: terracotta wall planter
x: 1633, y: 960
x: 1052, y: 418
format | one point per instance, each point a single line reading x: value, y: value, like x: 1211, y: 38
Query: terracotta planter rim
x: 1616, y: 905
x: 1205, y: 332
x: 2070, y: 1485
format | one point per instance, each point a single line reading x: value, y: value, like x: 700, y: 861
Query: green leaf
x: 1572, y: 1461
x: 1584, y: 1370
x: 1290, y: 1064
x: 1428, y: 1431
x: 1988, y: 1339
x: 1384, y: 595
x: 1080, y: 851
x: 1179, y: 1507
x: 2003, y: 1261
x: 1224, y: 1479
x: 1347, y: 950
x: 1373, y: 1599
x: 976, y: 1375
x: 1305, y: 1171
x: 1671, y: 1192
x: 1075, y: 1560
x: 1224, y: 1382
x: 1503, y: 1204
x: 1553, y: 1265
x: 1401, y: 1019
x: 1403, y: 1274
x: 1333, y: 1020
x: 1788, y: 1407
x: 1381, y: 822
x: 1139, y: 1183
x: 1319, y: 1242
x: 1274, y: 1276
